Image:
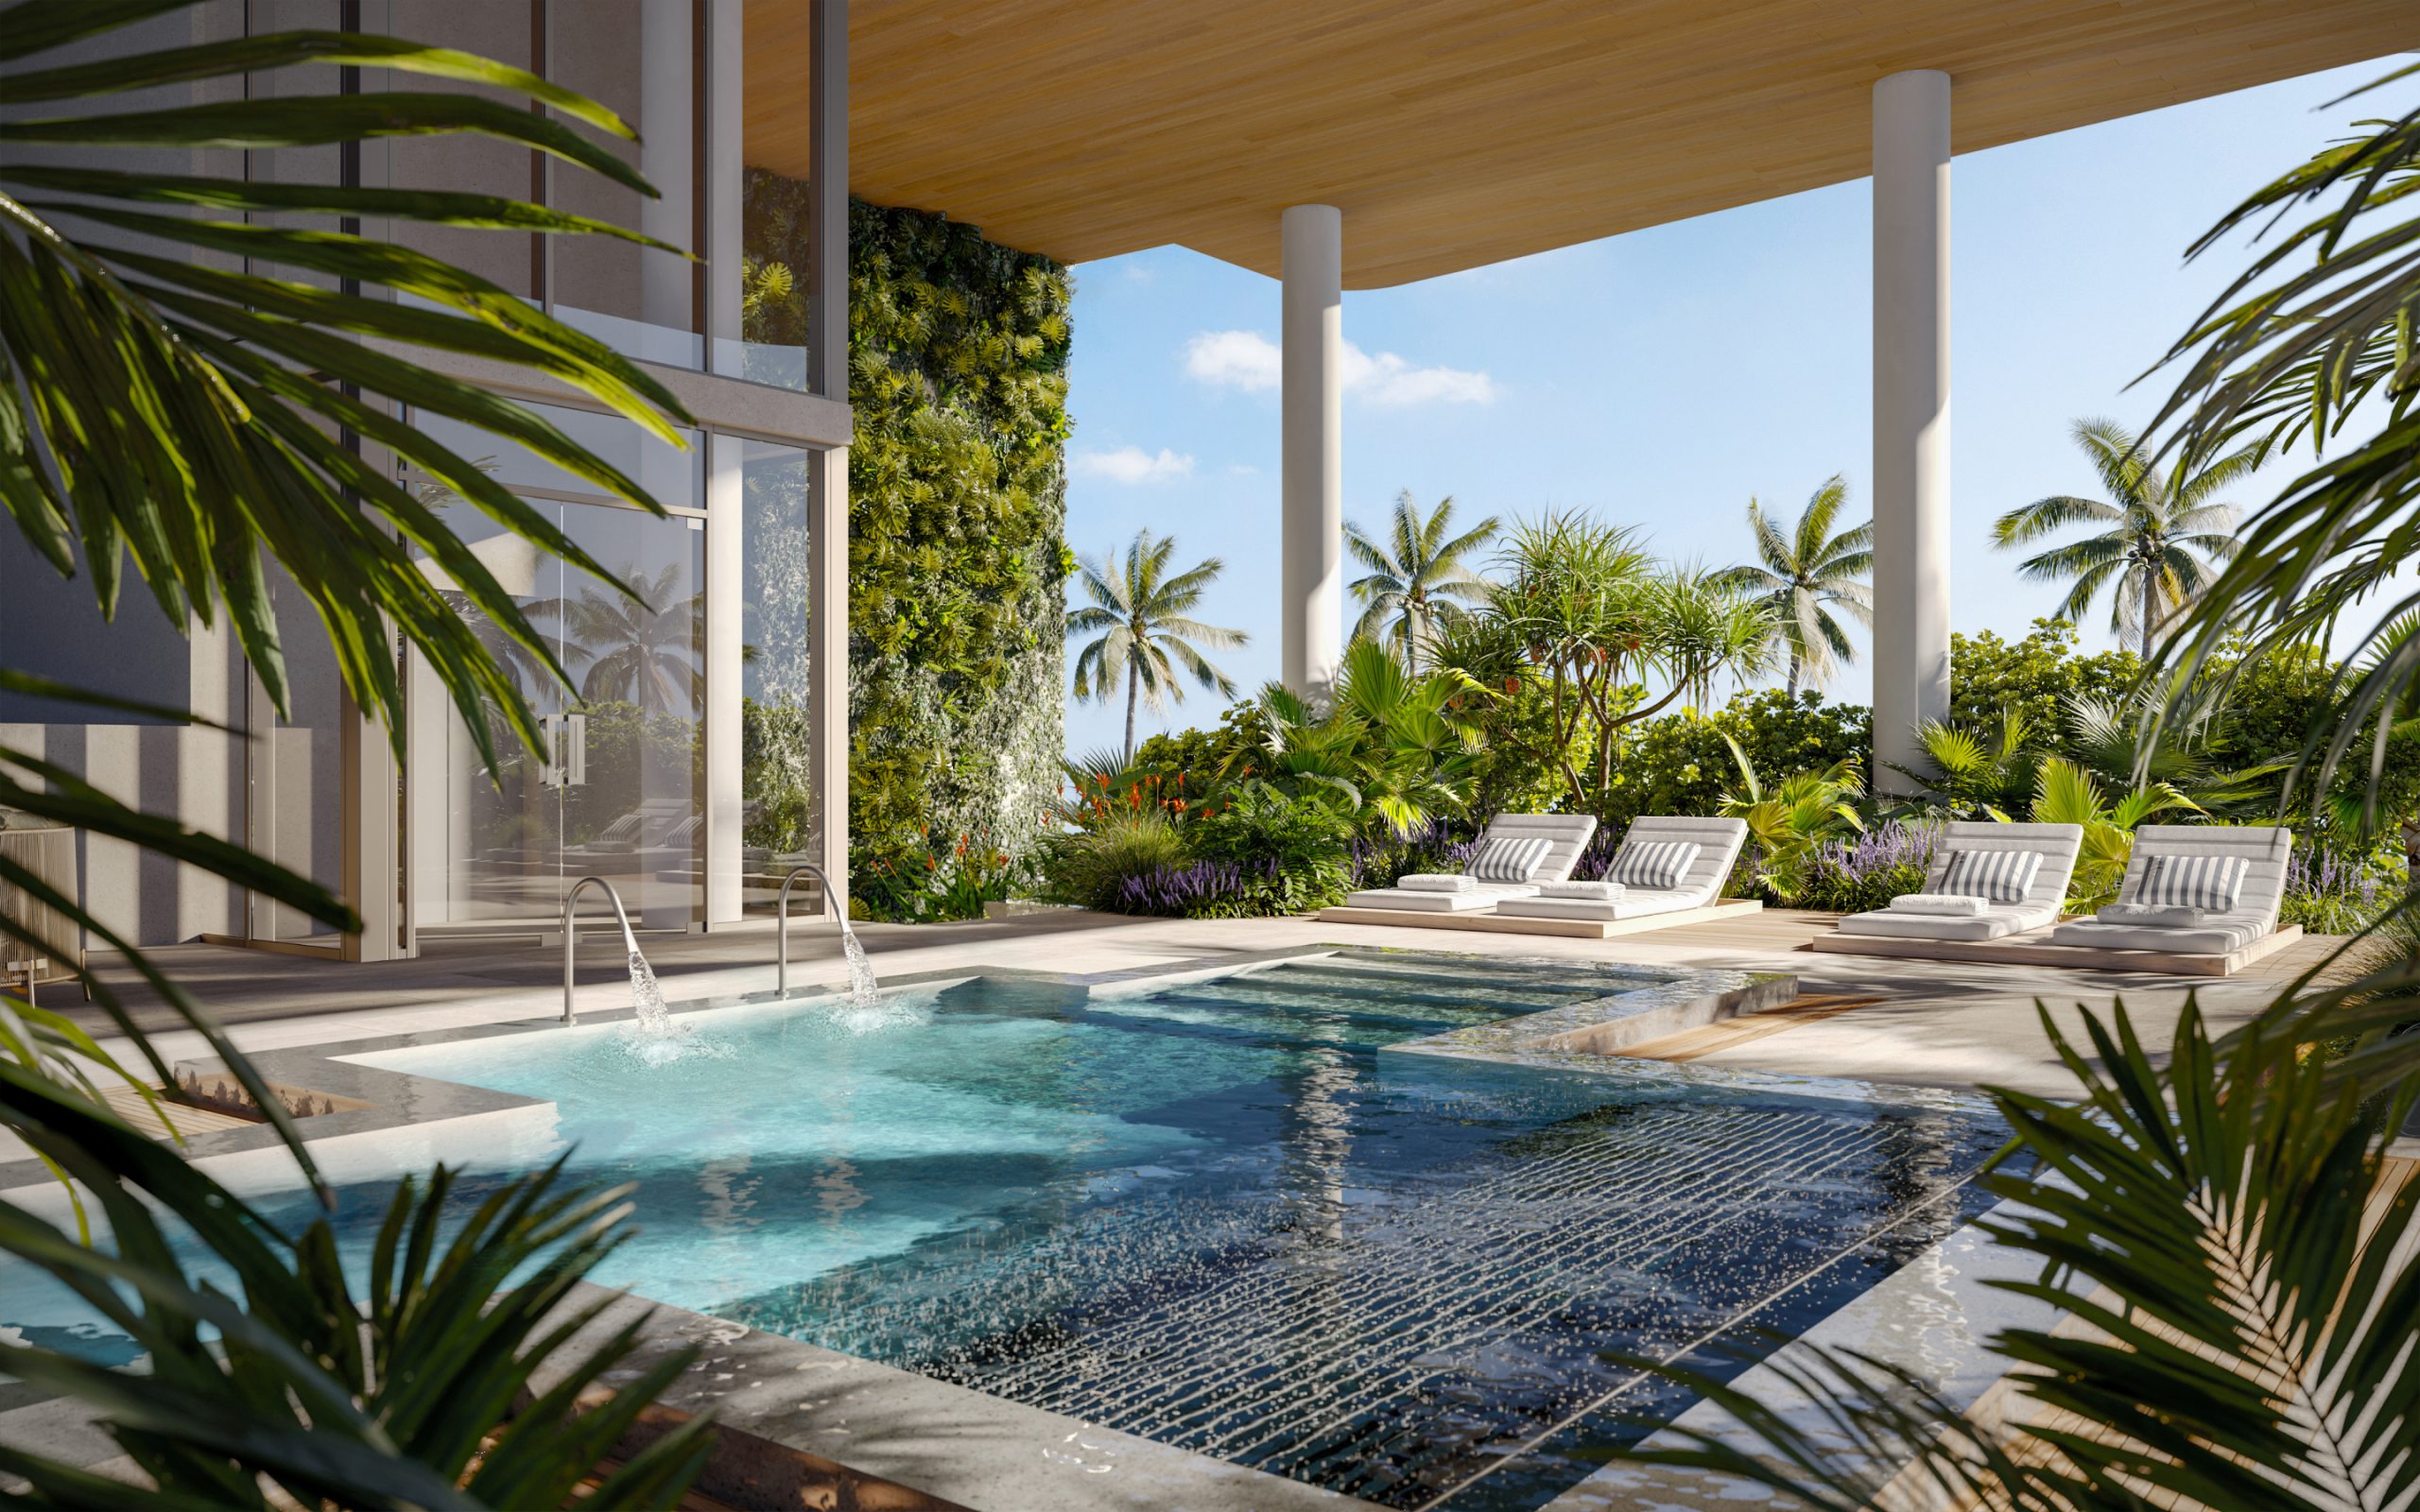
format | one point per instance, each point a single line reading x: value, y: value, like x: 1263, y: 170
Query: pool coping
x: 952, y: 1441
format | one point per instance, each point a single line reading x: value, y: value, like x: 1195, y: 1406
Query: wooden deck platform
x: 2035, y: 949
x: 1492, y: 924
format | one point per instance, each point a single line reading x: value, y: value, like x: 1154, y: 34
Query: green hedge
x: 958, y: 375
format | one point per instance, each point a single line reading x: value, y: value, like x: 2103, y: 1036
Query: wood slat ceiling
x: 1459, y: 132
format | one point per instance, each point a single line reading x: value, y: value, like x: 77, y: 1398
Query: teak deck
x: 1726, y: 908
x: 2024, y: 950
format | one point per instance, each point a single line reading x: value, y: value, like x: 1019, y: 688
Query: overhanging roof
x: 1455, y: 133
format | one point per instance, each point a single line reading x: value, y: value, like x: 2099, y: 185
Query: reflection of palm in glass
x: 633, y: 652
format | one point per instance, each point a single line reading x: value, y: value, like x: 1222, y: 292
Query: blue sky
x: 1663, y: 378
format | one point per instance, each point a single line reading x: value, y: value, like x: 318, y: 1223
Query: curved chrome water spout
x: 782, y: 920
x: 571, y: 940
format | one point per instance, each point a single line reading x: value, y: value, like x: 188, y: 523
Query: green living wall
x: 958, y: 375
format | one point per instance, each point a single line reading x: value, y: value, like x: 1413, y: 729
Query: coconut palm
x: 640, y: 654
x: 1139, y: 614
x: 2164, y: 539
x: 1807, y: 569
x: 1417, y: 578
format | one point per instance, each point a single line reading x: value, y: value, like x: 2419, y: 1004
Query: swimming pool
x: 1224, y: 1215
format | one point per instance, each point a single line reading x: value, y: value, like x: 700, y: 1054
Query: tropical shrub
x: 938, y: 882
x: 1789, y: 819
x: 2034, y: 678
x: 2067, y: 794
x: 1682, y: 764
x: 1291, y: 851
x: 1088, y: 866
x: 1517, y: 763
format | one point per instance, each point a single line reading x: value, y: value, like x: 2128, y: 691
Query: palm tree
x: 635, y: 653
x: 1139, y: 614
x: 1418, y: 576
x: 1805, y: 570
x: 2164, y: 538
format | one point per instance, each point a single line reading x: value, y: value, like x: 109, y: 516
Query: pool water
x: 1214, y: 1213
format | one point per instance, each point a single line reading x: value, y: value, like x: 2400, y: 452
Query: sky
x: 1663, y: 378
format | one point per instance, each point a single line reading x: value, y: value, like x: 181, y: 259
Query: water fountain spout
x: 571, y: 938
x: 862, y: 988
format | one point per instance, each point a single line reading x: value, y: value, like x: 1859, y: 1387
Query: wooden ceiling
x: 1455, y: 133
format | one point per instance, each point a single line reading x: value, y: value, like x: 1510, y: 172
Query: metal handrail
x: 571, y: 938
x: 782, y: 920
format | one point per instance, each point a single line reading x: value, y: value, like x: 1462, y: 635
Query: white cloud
x: 1388, y: 380
x: 1235, y: 359
x: 1131, y: 464
x: 1252, y: 362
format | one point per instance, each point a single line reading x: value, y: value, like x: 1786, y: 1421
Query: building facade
x: 701, y: 749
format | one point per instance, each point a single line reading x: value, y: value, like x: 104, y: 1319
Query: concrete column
x: 1910, y: 414
x: 1312, y: 607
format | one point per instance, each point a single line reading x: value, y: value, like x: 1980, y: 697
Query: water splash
x: 655, y: 1021
x: 864, y: 991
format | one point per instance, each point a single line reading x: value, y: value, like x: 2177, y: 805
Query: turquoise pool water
x: 1214, y: 1214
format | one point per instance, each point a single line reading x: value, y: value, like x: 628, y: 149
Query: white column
x: 726, y: 588
x: 1910, y: 414
x: 827, y: 374
x: 1313, y: 458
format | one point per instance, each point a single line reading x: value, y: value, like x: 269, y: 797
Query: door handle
x: 576, y: 757
x: 550, y: 758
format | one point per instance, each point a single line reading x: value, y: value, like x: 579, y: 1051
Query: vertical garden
x: 957, y: 377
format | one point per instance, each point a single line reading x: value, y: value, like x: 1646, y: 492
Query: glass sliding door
x: 617, y: 790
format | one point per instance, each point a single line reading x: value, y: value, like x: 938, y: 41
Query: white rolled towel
x: 2154, y: 915
x: 1602, y: 891
x: 1436, y: 882
x: 1949, y: 904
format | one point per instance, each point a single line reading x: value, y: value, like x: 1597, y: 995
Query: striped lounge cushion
x: 2210, y: 883
x: 1505, y: 859
x: 1653, y: 862
x: 2004, y: 876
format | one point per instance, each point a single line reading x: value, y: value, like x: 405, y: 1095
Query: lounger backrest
x: 1718, y: 842
x: 1567, y: 836
x: 2264, y: 847
x: 2058, y: 844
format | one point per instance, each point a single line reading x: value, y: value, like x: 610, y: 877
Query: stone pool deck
x: 1929, y: 1024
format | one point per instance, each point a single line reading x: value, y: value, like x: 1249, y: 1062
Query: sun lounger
x: 2228, y: 922
x: 2218, y: 943
x: 1565, y: 835
x: 2044, y: 891
x: 1710, y: 850
x: 1704, y: 851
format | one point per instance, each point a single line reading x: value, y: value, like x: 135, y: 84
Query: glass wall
x: 779, y: 818
x: 644, y: 59
x: 510, y: 31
